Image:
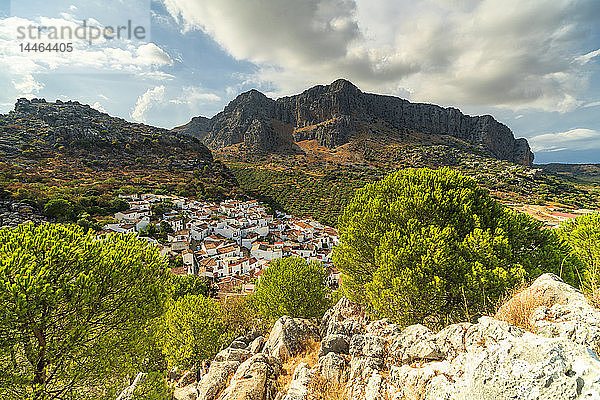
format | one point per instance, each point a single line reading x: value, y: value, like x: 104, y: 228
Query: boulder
x: 299, y: 386
x: 255, y: 379
x: 563, y: 311
x: 332, y: 367
x: 257, y: 345
x: 335, y: 343
x: 368, y: 345
x: 345, y: 318
x: 213, y: 382
x: 230, y: 354
x: 238, y: 344
x: 189, y: 392
x: 289, y: 337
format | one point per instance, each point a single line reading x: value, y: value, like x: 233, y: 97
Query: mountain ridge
x: 338, y: 113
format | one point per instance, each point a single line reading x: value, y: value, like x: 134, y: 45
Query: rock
x: 500, y: 361
x: 189, y: 392
x: 257, y: 345
x: 416, y: 342
x: 128, y: 392
x: 187, y: 378
x: 335, y: 343
x: 230, y: 354
x: 345, y: 318
x: 238, y: 344
x: 255, y: 379
x: 368, y: 345
x: 332, y: 367
x: 563, y: 311
x: 299, y: 386
x: 289, y: 337
x: 213, y: 382
x: 331, y: 114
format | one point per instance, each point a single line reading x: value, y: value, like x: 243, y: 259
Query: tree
x: 431, y: 245
x: 191, y: 284
x: 583, y: 236
x: 59, y: 209
x: 192, y: 331
x: 74, y: 308
x: 294, y: 287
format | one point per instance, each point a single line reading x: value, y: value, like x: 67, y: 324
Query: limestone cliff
x: 333, y: 115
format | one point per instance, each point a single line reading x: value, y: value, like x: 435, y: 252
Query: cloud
x: 25, y: 69
x: 584, y: 59
x: 574, y: 139
x: 193, y: 96
x: 98, y: 107
x: 592, y: 104
x: 146, y: 101
x: 510, y: 54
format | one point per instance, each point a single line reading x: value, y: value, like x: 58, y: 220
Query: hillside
x: 68, y: 149
x: 308, y: 153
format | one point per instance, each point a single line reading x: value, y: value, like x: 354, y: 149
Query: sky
x: 533, y: 65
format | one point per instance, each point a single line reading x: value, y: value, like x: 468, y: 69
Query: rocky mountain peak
x: 337, y: 113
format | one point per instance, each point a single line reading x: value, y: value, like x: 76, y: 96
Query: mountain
x: 339, y: 114
x: 69, y: 149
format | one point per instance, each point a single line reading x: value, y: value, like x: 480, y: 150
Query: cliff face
x: 330, y: 115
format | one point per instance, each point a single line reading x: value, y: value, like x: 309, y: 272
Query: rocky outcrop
x: 14, y: 213
x: 289, y: 337
x: 331, y: 114
x: 490, y: 359
x: 255, y: 379
x: 299, y: 386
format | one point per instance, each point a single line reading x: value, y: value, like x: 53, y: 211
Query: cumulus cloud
x: 193, y: 95
x: 146, y: 101
x: 98, y: 107
x: 479, y: 52
x: 574, y: 139
x: 24, y: 69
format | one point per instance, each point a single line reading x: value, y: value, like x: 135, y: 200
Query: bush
x: 60, y: 209
x: 190, y: 284
x: 73, y: 309
x: 192, y: 331
x: 294, y: 287
x: 430, y: 245
x: 583, y: 236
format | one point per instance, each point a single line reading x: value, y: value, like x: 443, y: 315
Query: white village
x: 230, y: 243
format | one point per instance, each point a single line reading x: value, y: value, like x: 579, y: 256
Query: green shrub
x: 294, y: 287
x: 192, y: 331
x: 60, y: 209
x: 431, y: 246
x: 74, y: 307
x: 583, y: 236
x: 190, y: 284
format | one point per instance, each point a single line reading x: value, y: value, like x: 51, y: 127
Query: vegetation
x: 75, y: 309
x: 294, y: 287
x: 430, y: 245
x: 192, y: 330
x: 191, y: 284
x: 583, y: 236
x: 320, y: 186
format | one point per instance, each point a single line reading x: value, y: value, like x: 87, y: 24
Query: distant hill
x: 69, y: 149
x: 340, y: 114
x: 585, y: 172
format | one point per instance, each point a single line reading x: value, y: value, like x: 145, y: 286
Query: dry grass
x: 310, y: 355
x: 322, y: 389
x: 518, y: 307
